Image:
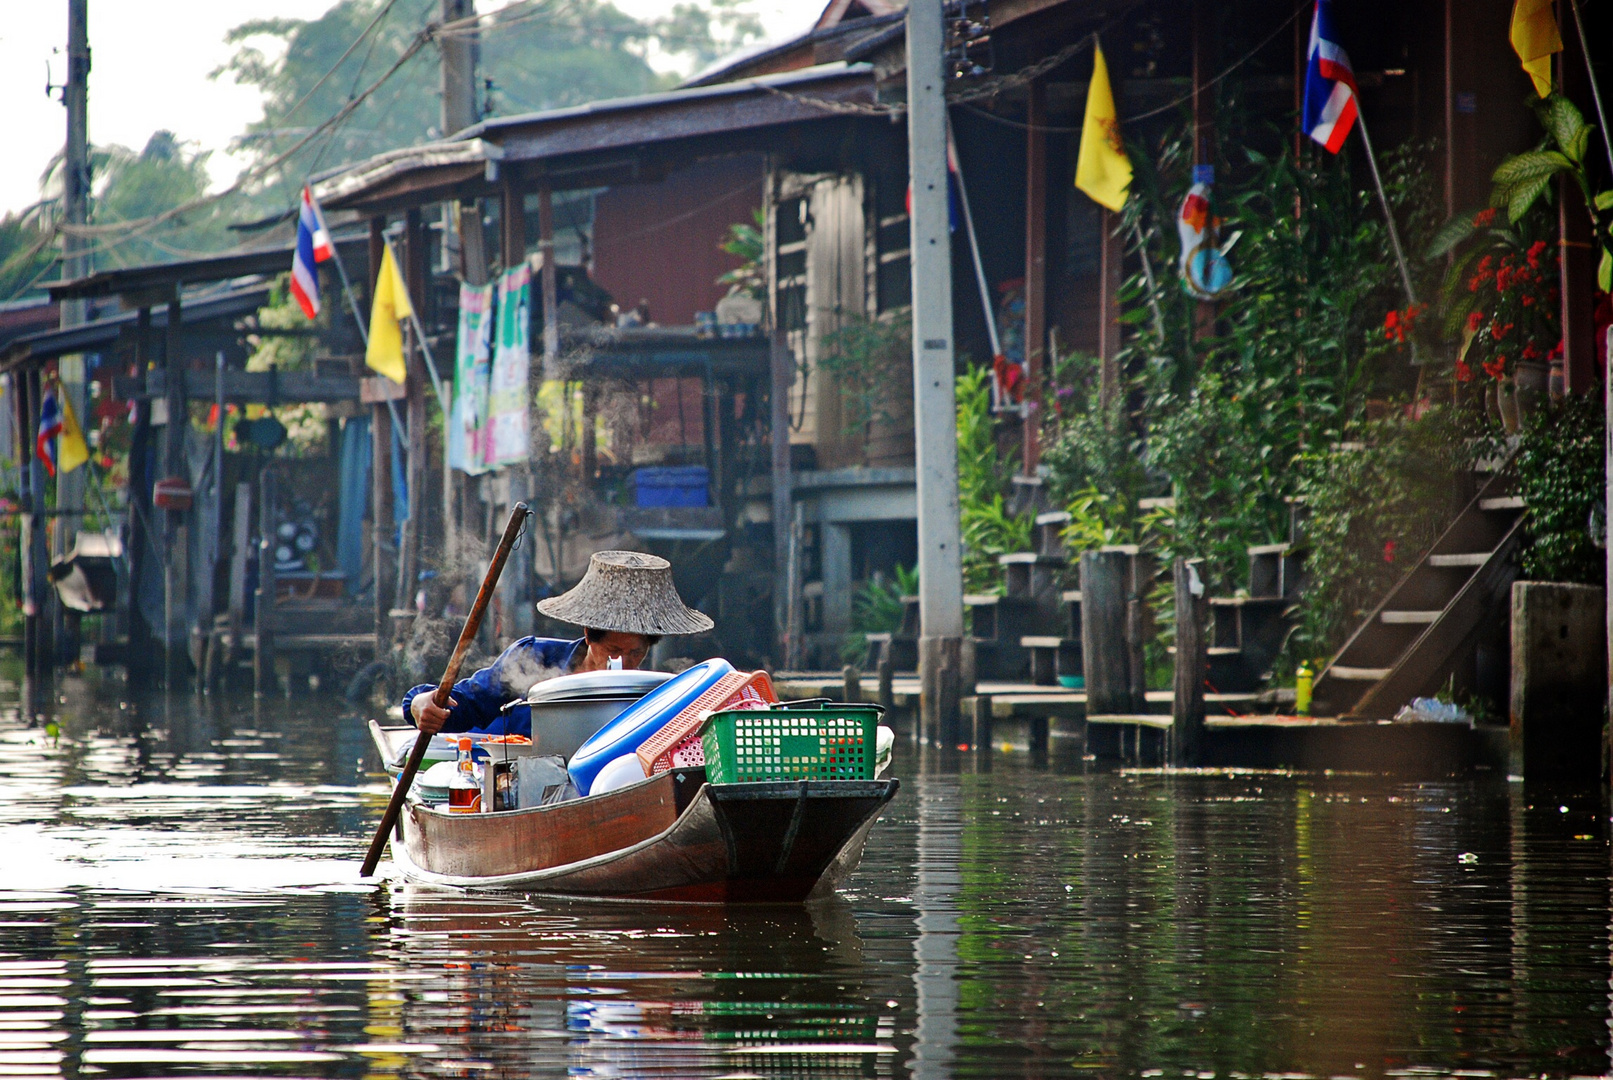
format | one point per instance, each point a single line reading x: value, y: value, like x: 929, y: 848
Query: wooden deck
x: 1025, y: 716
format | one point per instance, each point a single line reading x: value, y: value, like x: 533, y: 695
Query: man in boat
x: 625, y: 603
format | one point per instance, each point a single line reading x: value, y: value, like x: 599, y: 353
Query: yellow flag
x: 1103, y: 170
x: 1534, y: 38
x: 391, y: 307
x: 71, y: 449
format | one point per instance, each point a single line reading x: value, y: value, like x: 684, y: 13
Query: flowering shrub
x: 1500, y: 296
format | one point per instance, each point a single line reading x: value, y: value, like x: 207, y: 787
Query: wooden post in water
x: 263, y: 677
x: 1103, y: 631
x: 851, y: 684
x: 1187, y: 707
x: 980, y: 738
x: 1139, y: 579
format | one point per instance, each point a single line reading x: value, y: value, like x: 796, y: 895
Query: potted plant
x: 1500, y: 303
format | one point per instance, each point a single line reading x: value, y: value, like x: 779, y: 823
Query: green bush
x: 1222, y: 420
x: 989, y: 530
x: 1374, y: 506
x: 1561, y: 476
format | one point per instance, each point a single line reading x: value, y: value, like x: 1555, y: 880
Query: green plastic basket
x: 791, y: 742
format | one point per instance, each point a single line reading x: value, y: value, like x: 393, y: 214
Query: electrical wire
x: 379, y: 15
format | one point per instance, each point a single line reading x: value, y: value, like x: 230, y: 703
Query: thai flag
x: 50, y: 426
x: 1330, y: 107
x: 313, y: 248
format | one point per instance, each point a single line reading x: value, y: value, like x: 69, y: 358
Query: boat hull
x: 672, y: 837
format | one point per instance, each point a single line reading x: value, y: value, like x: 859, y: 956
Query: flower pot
x: 1533, y: 382
x: 1507, y: 405
x: 1559, y: 388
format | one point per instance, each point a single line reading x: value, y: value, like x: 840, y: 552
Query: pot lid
x: 585, y: 685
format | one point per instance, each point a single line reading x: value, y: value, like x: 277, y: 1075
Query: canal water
x: 180, y: 898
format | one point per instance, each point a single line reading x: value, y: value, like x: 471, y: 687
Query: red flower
x: 1463, y: 372
x: 1389, y: 551
x: 1499, y: 330
x: 1496, y: 369
x: 1475, y: 320
x: 1391, y: 326
x: 1530, y: 352
x: 1556, y: 352
x: 1528, y: 301
x: 1536, y: 249
x: 1484, y: 218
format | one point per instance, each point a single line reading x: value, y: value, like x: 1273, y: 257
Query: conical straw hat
x: 629, y: 592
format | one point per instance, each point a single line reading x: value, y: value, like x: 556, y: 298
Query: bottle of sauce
x: 465, y: 787
x: 1304, y: 685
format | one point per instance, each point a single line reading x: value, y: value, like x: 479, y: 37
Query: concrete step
x: 1407, y: 618
x: 1466, y: 560
x: 1031, y: 558
x: 1358, y: 674
x: 1503, y: 502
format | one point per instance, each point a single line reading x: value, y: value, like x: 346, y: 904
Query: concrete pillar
x: 835, y: 554
x: 934, y: 403
x: 1559, y: 680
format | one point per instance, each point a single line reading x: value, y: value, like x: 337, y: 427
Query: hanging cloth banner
x: 507, y: 405
x: 473, y: 369
x: 1205, y: 271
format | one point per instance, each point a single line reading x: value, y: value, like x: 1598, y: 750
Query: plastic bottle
x: 1304, y: 681
x: 465, y: 789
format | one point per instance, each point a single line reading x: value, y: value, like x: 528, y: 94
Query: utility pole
x: 934, y: 403
x: 75, y: 264
x: 460, y: 55
x: 76, y: 157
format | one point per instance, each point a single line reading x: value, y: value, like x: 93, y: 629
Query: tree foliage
x: 541, y: 55
x: 125, y: 186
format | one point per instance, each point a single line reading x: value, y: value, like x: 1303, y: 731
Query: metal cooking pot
x: 567, y: 710
x: 560, y: 727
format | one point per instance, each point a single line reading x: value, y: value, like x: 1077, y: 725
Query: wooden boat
x: 671, y: 837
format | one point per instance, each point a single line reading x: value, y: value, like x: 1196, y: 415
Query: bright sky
x: 149, y: 71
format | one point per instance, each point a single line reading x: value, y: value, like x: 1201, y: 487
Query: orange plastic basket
x: 678, y: 742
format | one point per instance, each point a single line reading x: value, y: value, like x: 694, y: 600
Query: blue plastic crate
x: 680, y: 485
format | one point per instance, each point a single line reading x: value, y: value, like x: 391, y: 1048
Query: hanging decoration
x: 1206, y: 274
x: 473, y: 371
x: 507, y: 424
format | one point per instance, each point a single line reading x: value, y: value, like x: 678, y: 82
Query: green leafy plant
x: 1221, y: 420
x: 876, y: 608
x: 1522, y: 179
x: 1374, y: 504
x: 1561, y: 477
x: 744, y: 242
x: 1499, y: 297
x: 989, y: 530
x: 859, y: 356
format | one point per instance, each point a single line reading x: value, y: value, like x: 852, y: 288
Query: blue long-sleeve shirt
x: 480, y: 697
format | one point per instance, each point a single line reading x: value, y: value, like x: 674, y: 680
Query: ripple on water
x: 185, y: 903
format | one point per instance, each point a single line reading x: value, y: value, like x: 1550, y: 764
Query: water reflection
x: 184, y: 901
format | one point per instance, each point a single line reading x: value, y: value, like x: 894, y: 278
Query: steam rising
x: 519, y: 670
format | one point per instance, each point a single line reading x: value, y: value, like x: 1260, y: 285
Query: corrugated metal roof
x: 49, y: 344
x: 465, y: 165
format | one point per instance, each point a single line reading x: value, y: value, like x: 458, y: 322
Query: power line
x: 379, y: 15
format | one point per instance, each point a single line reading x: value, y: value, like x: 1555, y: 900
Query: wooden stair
x: 1434, y: 616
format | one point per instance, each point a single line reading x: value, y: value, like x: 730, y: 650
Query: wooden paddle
x: 512, y: 531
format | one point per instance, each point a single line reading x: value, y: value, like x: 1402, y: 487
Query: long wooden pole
x: 518, y: 516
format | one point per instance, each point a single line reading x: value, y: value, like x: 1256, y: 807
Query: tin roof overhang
x: 156, y: 283
x: 624, y: 140
x: 35, y: 349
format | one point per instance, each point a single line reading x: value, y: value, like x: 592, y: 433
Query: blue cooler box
x: 682, y: 485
